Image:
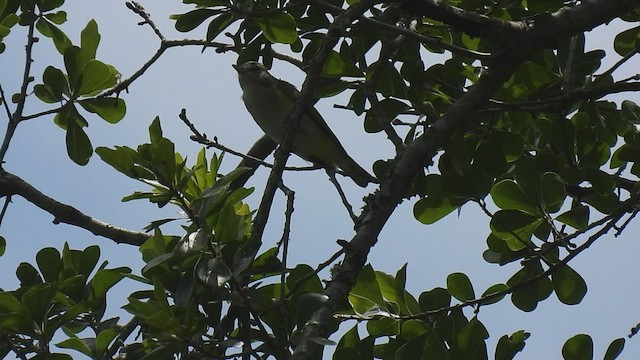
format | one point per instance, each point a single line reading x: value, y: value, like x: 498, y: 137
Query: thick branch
x: 564, y: 23
x: 472, y: 23
x: 13, y: 185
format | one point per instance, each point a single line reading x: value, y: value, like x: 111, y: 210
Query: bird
x: 270, y: 101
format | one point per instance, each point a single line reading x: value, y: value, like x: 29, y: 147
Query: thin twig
x: 618, y: 64
x: 138, y: 9
x: 7, y: 201
x: 284, y: 242
x: 5, y: 102
x: 202, y: 139
x: 343, y: 196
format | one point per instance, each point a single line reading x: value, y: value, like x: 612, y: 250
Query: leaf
x: 60, y: 39
x: 431, y: 209
x: 84, y: 346
x: 56, y: 81
x: 577, y: 218
x: 553, y: 191
x: 219, y: 24
x: 90, y: 38
x: 278, y: 28
x: 383, y: 112
x: 94, y: 76
x: 434, y: 348
x: 579, y: 347
x: 625, y: 42
x: 569, y: 286
x: 435, y: 299
x: 494, y: 289
x: 75, y: 60
x: 110, y: 109
x: 365, y: 294
x: 79, y: 146
x: 308, y: 304
x: 509, y: 346
x: 193, y: 19
x: 508, y: 195
x: 57, y: 18
x: 615, y: 349
x: 48, y: 5
x: 460, y: 287
x: 28, y: 275
x: 515, y: 227
x: 48, y: 260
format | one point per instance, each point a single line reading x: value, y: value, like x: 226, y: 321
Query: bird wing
x: 294, y: 94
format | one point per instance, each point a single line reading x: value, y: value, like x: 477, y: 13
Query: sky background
x: 205, y: 84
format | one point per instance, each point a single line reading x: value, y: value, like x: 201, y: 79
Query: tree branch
x: 472, y: 23
x: 13, y: 185
x: 566, y: 22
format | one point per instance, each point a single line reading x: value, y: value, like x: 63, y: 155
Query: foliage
x: 541, y: 145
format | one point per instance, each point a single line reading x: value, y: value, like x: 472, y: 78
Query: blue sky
x: 206, y: 85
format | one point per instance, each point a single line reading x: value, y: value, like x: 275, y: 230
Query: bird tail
x: 359, y: 175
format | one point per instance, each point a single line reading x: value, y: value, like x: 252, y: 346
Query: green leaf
x: 338, y: 65
x: 48, y: 5
x: 79, y: 146
x: 3, y: 245
x: 110, y: 109
x: 569, y: 286
x: 626, y: 42
x: 56, y: 81
x: 365, y: 294
x: 38, y: 300
x: 390, y: 82
x: 383, y: 112
x: 45, y: 94
x: 90, y: 38
x: 278, y: 28
x: 615, y: 349
x: 84, y: 346
x: 331, y: 89
x: 95, y: 76
x: 48, y: 260
x: 27, y: 275
x: 494, y: 289
x: 105, y: 279
x: 308, y: 304
x: 412, y: 329
x: 60, y: 40
x: 193, y: 19
x: 435, y: 299
x: 431, y: 209
x: 579, y: 347
x: 490, y: 159
x: 553, y: 191
x: 508, y: 195
x: 577, y: 218
x: 57, y: 18
x: 75, y: 60
x: 434, y: 349
x: 515, y: 227
x: 460, y: 287
x: 219, y: 24
x: 509, y: 346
